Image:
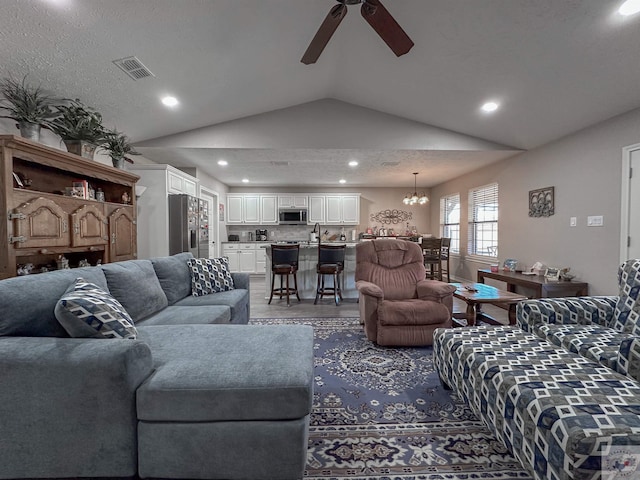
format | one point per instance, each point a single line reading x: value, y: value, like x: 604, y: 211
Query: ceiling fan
x: 374, y: 13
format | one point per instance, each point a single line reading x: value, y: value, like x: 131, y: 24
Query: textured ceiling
x: 556, y: 66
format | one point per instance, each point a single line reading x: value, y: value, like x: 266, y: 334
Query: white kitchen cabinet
x: 293, y: 200
x: 342, y: 209
x: 243, y: 209
x: 232, y: 252
x: 261, y: 259
x: 153, y: 206
x: 316, y: 213
x: 247, y: 258
x: 180, y: 182
x: 351, y: 209
x: 269, y: 209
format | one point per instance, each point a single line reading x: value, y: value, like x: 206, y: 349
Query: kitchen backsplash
x: 285, y: 232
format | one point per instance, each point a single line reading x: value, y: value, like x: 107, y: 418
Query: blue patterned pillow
x: 87, y: 311
x: 209, y: 275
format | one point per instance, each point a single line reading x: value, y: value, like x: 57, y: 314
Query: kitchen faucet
x: 316, y: 228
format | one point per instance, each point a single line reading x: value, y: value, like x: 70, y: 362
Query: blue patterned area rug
x: 381, y: 413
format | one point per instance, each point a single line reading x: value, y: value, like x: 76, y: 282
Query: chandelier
x: 413, y: 198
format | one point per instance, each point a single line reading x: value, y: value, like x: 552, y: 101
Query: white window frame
x: 483, y: 221
x: 448, y: 228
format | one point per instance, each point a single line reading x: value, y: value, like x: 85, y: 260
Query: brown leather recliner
x: 398, y: 307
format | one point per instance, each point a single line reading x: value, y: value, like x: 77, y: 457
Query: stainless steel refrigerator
x: 188, y: 225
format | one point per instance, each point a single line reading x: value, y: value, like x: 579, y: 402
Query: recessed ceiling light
x: 342, y: 180
x: 170, y: 101
x: 245, y: 180
x: 223, y: 163
x: 630, y: 7
x: 489, y: 107
x: 353, y: 163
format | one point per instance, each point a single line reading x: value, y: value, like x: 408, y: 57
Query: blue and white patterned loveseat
x: 561, y: 388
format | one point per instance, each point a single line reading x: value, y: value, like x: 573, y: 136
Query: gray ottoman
x: 226, y: 401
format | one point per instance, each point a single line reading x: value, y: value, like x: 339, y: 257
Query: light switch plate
x: 573, y: 221
x: 595, y: 221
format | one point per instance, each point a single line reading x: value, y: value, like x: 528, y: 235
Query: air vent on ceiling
x: 390, y: 164
x: 280, y: 164
x: 134, y: 68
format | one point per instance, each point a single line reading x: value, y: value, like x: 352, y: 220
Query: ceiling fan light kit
x: 374, y: 13
x: 414, y: 198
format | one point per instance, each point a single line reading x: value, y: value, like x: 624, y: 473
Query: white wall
x: 585, y: 169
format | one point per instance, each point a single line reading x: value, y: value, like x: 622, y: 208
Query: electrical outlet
x: 573, y: 221
x: 595, y: 220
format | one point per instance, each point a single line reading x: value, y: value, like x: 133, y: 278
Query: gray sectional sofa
x: 198, y: 394
x: 562, y: 388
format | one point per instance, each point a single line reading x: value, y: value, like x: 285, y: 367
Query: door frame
x: 625, y: 208
x: 214, y: 228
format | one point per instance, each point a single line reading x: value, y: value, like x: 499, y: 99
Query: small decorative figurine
x: 62, y: 262
x: 99, y: 195
x: 126, y: 198
x: 83, y: 263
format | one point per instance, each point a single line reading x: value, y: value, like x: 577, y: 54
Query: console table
x: 540, y: 286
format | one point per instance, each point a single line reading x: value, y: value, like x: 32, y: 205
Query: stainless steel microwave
x: 293, y: 216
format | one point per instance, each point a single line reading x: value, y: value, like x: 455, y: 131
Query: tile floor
x: 325, y: 306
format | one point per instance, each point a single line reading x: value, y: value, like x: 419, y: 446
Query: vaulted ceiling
x: 554, y: 66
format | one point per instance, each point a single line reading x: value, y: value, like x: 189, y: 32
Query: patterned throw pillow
x: 87, y: 311
x: 209, y: 275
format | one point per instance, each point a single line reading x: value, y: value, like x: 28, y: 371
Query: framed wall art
x: 541, y: 202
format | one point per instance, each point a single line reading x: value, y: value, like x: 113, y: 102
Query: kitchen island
x: 307, y: 277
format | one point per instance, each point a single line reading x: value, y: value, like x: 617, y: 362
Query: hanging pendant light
x: 414, y: 198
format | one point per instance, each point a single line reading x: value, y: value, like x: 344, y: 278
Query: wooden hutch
x: 43, y: 221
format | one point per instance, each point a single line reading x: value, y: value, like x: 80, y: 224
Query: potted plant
x: 79, y: 126
x: 30, y: 106
x: 118, y: 146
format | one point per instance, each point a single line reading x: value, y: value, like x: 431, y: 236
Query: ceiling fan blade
x: 386, y: 26
x: 324, y: 33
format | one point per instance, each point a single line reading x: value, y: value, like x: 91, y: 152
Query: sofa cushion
x: 174, y: 275
x: 237, y: 300
x: 177, y: 315
x: 32, y: 299
x: 135, y: 285
x: 600, y: 344
x: 412, y: 312
x: 209, y: 275
x: 229, y: 373
x: 627, y: 312
x: 87, y: 311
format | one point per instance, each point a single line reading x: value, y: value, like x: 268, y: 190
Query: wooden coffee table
x: 475, y: 294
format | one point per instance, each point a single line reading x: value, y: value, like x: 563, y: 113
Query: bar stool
x: 444, y: 256
x: 284, y: 262
x: 330, y: 262
x: 432, y: 252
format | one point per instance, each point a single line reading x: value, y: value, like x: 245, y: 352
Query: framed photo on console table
x: 552, y: 273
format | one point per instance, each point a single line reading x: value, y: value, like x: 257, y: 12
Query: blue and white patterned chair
x: 560, y: 389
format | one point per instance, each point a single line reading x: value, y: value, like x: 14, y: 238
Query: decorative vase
x: 80, y: 147
x: 30, y: 131
x: 118, y: 162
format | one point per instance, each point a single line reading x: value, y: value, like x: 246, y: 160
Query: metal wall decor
x: 541, y: 202
x: 391, y: 216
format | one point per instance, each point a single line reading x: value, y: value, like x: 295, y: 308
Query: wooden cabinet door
x: 351, y: 209
x: 40, y: 223
x: 122, y: 235
x: 234, y: 209
x: 334, y: 209
x: 268, y: 210
x: 252, y: 209
x: 316, y: 209
x: 88, y: 227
